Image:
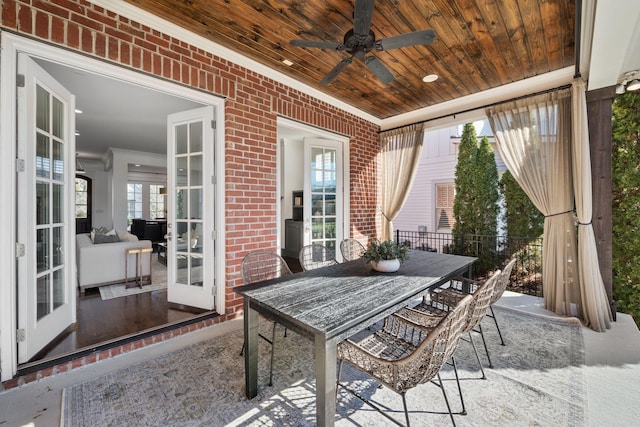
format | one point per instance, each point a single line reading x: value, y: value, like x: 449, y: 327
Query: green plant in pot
x: 386, y: 256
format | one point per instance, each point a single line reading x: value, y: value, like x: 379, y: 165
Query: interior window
x: 156, y: 201
x: 134, y: 201
x: 82, y: 199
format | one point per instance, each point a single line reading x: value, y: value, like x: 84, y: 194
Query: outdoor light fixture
x: 629, y: 82
x: 634, y: 85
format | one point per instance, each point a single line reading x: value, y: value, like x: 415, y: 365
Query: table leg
x: 250, y: 351
x: 325, y: 381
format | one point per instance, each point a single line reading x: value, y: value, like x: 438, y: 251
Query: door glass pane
x: 57, y: 117
x: 181, y: 139
x: 42, y: 249
x: 323, y: 196
x: 58, y: 161
x: 42, y: 299
x: 42, y: 108
x: 196, y: 137
x: 181, y: 171
x: 181, y: 204
x: 196, y: 270
x: 58, y: 288
x: 58, y: 250
x: 57, y: 203
x: 43, y: 162
x: 196, y: 170
x: 196, y: 204
x: 42, y: 203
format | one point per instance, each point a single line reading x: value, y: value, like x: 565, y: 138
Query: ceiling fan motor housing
x: 359, y: 44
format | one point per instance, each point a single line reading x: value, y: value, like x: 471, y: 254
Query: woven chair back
x: 351, y: 249
x: 481, y: 301
x: 315, y: 256
x: 261, y: 265
x: 503, y: 281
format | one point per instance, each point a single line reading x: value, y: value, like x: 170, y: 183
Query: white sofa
x: 102, y: 264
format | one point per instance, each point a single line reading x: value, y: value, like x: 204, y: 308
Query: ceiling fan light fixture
x: 634, y: 85
x: 430, y: 78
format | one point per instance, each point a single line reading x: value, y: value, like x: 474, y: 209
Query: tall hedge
x: 522, y: 218
x: 626, y: 203
x: 475, y: 207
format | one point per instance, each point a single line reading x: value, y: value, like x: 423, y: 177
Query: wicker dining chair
x: 256, y: 267
x: 351, y: 249
x: 315, y: 256
x: 404, y: 354
x: 501, y: 286
x: 440, y: 303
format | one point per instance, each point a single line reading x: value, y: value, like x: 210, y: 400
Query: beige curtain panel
x: 595, y: 303
x: 534, y: 139
x: 400, y: 155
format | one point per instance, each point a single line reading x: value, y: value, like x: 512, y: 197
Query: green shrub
x: 626, y: 203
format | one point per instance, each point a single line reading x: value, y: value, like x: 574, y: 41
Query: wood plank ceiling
x: 479, y: 45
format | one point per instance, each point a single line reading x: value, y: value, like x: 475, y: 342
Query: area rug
x: 536, y: 380
x: 159, y: 281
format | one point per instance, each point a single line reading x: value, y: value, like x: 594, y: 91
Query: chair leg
x: 455, y: 370
x: 446, y: 400
x: 338, y: 379
x: 486, y: 349
x: 273, y: 345
x: 493, y: 315
x: 473, y: 344
x: 406, y: 411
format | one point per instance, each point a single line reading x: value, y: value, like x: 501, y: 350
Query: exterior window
x: 134, y: 201
x: 82, y: 192
x: 445, y: 194
x: 156, y: 201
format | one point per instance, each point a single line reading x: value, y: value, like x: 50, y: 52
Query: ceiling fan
x: 361, y: 40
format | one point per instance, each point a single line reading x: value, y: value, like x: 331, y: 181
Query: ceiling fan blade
x: 311, y: 43
x: 409, y: 39
x: 378, y: 68
x: 362, y: 16
x: 336, y: 70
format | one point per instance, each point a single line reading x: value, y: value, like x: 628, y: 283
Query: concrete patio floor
x: 612, y: 372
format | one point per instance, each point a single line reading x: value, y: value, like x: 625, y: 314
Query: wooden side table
x: 138, y: 278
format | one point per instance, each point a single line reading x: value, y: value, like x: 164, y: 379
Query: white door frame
x: 314, y: 132
x: 11, y: 45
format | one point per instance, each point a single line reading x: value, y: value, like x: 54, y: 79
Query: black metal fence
x: 492, y: 253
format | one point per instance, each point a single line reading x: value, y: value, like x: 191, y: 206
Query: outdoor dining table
x: 330, y: 304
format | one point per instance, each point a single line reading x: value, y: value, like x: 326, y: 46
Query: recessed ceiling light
x: 287, y: 62
x: 78, y: 111
x: 430, y: 78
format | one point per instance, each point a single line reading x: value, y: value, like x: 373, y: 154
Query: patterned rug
x: 159, y: 281
x: 536, y: 380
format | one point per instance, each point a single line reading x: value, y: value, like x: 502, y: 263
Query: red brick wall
x: 253, y: 103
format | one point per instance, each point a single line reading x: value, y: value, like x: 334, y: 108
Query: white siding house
x: 429, y: 206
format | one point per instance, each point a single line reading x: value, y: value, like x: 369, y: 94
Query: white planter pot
x: 386, y: 265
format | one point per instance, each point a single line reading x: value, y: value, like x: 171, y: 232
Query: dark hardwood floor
x: 99, y: 321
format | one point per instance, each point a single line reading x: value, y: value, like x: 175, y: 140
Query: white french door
x: 45, y: 220
x: 323, y: 195
x: 191, y: 208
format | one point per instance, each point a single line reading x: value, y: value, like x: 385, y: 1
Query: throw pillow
x: 105, y: 238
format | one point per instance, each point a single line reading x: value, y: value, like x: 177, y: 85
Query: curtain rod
x: 577, y: 31
x: 482, y: 107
